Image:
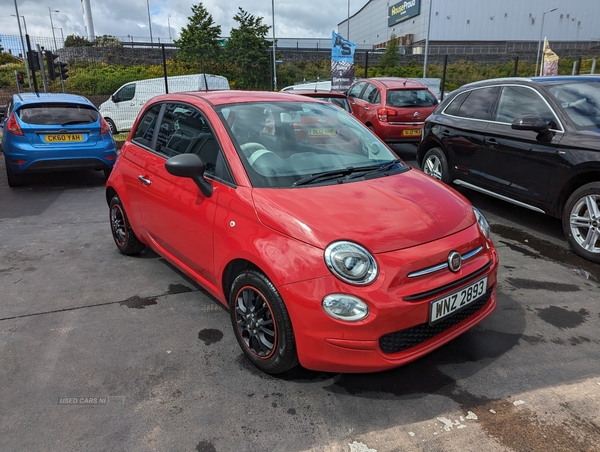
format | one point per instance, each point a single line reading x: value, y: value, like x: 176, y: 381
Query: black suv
x: 534, y: 142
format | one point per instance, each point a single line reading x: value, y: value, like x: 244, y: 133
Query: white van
x: 121, y: 109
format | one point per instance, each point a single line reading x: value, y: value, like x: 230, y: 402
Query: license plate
x: 457, y: 300
x: 322, y: 132
x: 411, y: 132
x: 63, y: 137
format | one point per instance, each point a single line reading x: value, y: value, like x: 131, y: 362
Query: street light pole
x: 427, y: 43
x: 540, y: 43
x: 149, y: 20
x: 274, y: 62
x: 23, y: 42
x: 50, y: 11
x: 348, y: 21
x: 169, y: 25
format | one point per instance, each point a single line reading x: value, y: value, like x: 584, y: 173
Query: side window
x: 454, y: 106
x: 517, y: 101
x: 184, y: 129
x: 356, y: 89
x: 479, y: 103
x: 370, y: 93
x: 145, y: 128
x: 126, y: 93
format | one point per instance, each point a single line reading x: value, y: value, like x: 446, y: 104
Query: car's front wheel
x: 261, y: 323
x: 581, y: 221
x: 14, y: 179
x: 436, y: 165
x: 125, y: 239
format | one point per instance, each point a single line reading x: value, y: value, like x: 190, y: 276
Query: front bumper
x: 396, y: 331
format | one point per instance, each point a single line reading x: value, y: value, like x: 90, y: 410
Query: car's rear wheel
x: 111, y: 124
x: 436, y: 165
x: 125, y: 239
x: 581, y: 221
x: 14, y: 179
x: 261, y: 323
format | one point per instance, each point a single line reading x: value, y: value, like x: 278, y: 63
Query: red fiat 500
x: 340, y: 258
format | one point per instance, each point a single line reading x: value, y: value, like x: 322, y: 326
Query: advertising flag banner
x: 550, y: 64
x: 342, y: 63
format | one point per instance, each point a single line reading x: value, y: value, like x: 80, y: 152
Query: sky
x: 123, y: 18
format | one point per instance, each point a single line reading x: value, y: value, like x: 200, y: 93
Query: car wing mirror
x: 192, y: 166
x: 534, y: 123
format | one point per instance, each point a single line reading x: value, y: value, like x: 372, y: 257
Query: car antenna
x: 317, y: 82
x: 405, y: 80
x: 204, y: 74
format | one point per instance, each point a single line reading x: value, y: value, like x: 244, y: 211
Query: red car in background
x: 335, y: 260
x: 394, y: 108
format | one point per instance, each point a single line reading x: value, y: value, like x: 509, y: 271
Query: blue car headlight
x: 351, y: 263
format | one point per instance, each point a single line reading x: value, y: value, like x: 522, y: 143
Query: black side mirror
x: 114, y: 98
x: 192, y: 166
x: 534, y: 123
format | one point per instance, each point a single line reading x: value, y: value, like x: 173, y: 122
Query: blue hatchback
x: 45, y: 132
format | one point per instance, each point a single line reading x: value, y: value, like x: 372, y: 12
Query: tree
x: 1, y: 48
x: 199, y: 41
x: 107, y: 41
x: 390, y: 57
x: 77, y: 41
x: 248, y: 52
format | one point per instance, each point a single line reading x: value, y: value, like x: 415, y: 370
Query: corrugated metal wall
x: 479, y: 20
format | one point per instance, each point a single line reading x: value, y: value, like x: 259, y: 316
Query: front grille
x: 410, y: 337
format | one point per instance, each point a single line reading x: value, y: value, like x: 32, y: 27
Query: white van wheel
x: 111, y: 124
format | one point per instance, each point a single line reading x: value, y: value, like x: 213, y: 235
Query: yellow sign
x: 63, y: 137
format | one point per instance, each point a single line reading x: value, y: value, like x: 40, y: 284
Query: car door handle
x: 144, y: 181
x: 366, y: 108
x: 446, y: 132
x: 491, y: 142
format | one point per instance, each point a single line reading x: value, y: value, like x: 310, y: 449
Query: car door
x: 125, y: 110
x: 462, y: 132
x: 521, y: 164
x: 358, y: 105
x: 177, y: 217
x: 370, y: 101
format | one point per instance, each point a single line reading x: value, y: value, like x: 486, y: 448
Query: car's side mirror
x: 114, y: 98
x: 534, y: 123
x: 192, y: 166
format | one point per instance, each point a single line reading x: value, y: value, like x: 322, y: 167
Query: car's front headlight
x: 351, y: 263
x: 345, y: 307
x: 482, y: 222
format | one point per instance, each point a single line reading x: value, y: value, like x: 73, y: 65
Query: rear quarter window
x: 58, y: 114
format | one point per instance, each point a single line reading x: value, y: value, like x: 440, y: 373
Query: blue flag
x: 342, y: 62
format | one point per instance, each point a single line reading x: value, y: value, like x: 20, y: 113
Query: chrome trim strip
x: 496, y: 195
x: 439, y: 267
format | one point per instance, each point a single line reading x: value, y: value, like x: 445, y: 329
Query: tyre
x: 124, y: 237
x: 14, y: 179
x: 261, y: 323
x: 436, y: 165
x: 581, y: 221
x: 111, y: 124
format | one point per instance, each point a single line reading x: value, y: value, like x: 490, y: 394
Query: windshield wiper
x: 339, y: 173
x: 378, y: 168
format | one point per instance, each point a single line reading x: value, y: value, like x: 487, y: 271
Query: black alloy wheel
x: 125, y: 239
x: 261, y: 323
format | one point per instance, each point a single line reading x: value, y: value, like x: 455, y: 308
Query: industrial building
x: 443, y: 22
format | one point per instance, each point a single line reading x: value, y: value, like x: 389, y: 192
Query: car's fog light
x: 345, y: 307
